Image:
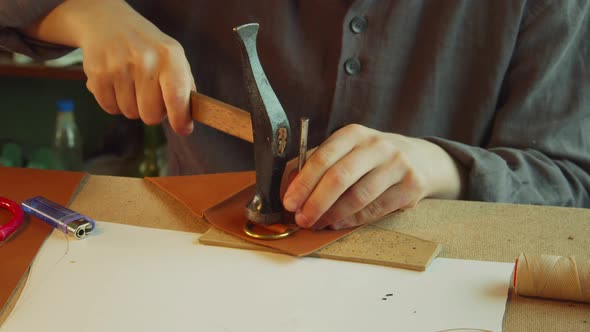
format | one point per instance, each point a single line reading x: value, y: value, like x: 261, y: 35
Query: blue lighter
x: 59, y: 216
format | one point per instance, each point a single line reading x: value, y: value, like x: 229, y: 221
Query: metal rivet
x: 352, y: 66
x: 358, y: 24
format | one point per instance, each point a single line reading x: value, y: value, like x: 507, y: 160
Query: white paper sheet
x: 127, y: 278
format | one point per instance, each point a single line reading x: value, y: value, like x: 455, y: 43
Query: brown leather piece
x: 200, y: 192
x: 221, y: 199
x: 18, y: 251
x: 229, y: 216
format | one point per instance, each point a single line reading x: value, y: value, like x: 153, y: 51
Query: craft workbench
x: 466, y: 230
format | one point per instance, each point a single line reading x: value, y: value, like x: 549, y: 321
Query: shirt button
x: 358, y: 24
x: 352, y: 66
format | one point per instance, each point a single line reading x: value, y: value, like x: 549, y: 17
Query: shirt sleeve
x: 18, y: 14
x: 539, y: 146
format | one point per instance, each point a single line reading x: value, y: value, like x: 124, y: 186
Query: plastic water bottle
x: 68, y: 142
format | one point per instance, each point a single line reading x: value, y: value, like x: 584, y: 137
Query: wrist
x: 445, y: 175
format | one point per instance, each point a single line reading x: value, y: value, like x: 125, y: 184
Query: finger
x: 193, y: 84
x: 151, y: 104
x: 176, y: 82
x: 104, y: 93
x: 150, y: 101
x: 339, y: 178
x: 397, y: 197
x: 361, y: 194
x: 324, y: 157
x: 126, y: 98
x: 288, y: 176
x: 344, y: 224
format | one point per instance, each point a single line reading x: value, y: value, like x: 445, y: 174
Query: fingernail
x: 293, y: 175
x: 335, y: 227
x: 318, y: 228
x: 342, y: 224
x: 301, y: 220
x: 189, y: 129
x: 290, y: 203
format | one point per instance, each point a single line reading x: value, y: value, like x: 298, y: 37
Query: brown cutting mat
x: 17, y: 253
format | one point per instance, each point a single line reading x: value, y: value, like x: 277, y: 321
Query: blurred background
x: 50, y: 120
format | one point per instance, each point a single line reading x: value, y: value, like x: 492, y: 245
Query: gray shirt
x: 502, y: 86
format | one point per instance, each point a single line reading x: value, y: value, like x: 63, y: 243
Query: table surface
x: 467, y: 230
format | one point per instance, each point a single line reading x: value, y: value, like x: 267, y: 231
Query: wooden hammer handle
x: 221, y: 116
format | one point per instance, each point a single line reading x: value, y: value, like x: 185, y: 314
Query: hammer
x: 266, y: 125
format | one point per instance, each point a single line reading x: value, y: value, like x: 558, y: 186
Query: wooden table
x: 467, y: 230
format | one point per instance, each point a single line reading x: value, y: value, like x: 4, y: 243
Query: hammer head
x: 272, y: 133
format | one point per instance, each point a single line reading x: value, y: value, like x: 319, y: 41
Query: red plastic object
x: 17, y: 218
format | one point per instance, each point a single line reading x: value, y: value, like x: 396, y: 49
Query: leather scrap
x: 200, y: 192
x: 229, y: 216
x: 221, y: 199
x: 18, y: 252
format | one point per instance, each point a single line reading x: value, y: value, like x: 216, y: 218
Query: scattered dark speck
x: 390, y: 294
x: 383, y: 298
x: 570, y: 237
x: 585, y: 321
x: 508, y: 240
x: 414, y: 311
x: 414, y: 248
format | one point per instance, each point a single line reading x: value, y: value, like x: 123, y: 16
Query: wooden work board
x: 466, y: 230
x: 367, y: 244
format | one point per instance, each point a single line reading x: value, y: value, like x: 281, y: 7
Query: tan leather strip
x: 200, y: 192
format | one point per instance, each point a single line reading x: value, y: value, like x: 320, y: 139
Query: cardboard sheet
x: 17, y: 253
x: 368, y: 245
x: 126, y: 278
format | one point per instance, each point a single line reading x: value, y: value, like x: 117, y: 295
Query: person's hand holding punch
x: 133, y: 68
x: 359, y: 175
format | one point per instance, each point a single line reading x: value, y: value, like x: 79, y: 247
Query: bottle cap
x: 65, y: 105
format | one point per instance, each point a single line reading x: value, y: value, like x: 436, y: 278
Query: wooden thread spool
x: 553, y: 277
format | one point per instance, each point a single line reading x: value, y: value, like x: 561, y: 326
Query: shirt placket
x: 351, y: 72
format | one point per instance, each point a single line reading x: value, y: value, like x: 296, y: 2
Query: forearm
x: 20, y: 14
x: 520, y: 176
x: 15, y: 16
x: 66, y: 23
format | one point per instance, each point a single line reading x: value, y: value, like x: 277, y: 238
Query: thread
x: 552, y: 277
